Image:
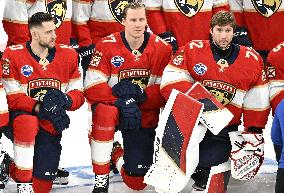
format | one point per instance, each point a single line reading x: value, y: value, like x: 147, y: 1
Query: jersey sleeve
x: 155, y: 16
x: 96, y: 87
x: 16, y: 95
x: 154, y: 98
x: 4, y: 113
x: 256, y: 106
x: 220, y: 5
x: 275, y: 74
x: 80, y: 17
x: 74, y: 87
x: 176, y: 74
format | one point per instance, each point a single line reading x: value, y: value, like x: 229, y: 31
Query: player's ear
x: 211, y: 31
x: 123, y: 21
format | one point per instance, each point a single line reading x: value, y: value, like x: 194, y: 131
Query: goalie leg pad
x: 138, y: 150
x: 215, y: 149
x: 105, y: 118
x: 133, y: 181
x: 219, y: 182
x: 47, y: 155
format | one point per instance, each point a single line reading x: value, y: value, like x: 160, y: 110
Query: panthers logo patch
x: 57, y: 8
x: 39, y: 87
x: 189, y: 7
x: 222, y: 91
x: 266, y: 7
x: 137, y: 76
x: 116, y: 8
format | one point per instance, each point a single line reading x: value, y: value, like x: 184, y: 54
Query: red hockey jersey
x: 27, y: 81
x: 275, y: 74
x: 241, y: 87
x: 95, y: 19
x: 263, y: 20
x: 4, y: 114
x: 17, y: 13
x: 187, y: 20
x: 114, y: 60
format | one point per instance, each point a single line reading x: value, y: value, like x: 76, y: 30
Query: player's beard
x: 48, y: 45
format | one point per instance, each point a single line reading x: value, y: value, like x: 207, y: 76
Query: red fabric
x: 217, y: 184
x: 135, y: 183
x: 41, y: 186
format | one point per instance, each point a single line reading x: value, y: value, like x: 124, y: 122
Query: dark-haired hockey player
x: 42, y: 83
x: 235, y: 76
x: 122, y: 84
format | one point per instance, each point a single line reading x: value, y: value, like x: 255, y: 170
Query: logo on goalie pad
x: 246, y: 155
x: 57, y: 8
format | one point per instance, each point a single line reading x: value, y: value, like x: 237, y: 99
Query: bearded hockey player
x: 235, y: 76
x: 42, y: 83
x: 179, y: 22
x: 275, y: 70
x: 267, y: 32
x: 17, y: 13
x: 122, y: 84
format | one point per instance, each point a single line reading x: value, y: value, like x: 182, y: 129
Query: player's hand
x: 129, y: 114
x: 241, y: 37
x: 126, y: 89
x: 85, y: 53
x: 169, y: 38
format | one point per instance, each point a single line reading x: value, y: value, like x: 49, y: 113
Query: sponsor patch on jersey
x: 5, y: 66
x: 266, y: 7
x: 137, y: 76
x: 189, y: 7
x: 200, y: 69
x: 27, y: 70
x: 96, y: 58
x: 178, y: 59
x: 116, y: 8
x: 57, y: 8
x: 117, y: 61
x: 223, y: 91
x: 39, y: 87
x: 271, y: 72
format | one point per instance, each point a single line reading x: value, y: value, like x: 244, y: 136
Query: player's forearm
x: 101, y: 93
x: 77, y: 98
x: 21, y: 102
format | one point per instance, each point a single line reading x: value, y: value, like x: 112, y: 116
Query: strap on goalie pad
x: 213, y: 109
x: 177, y: 133
x: 247, y: 154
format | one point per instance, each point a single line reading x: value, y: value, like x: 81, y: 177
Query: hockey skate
x: 116, y: 146
x: 200, y: 176
x: 61, y: 177
x: 25, y: 188
x: 5, y: 160
x: 101, y: 184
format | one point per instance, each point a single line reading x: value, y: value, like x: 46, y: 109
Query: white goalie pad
x: 177, y: 144
x: 247, y: 154
x: 215, y: 116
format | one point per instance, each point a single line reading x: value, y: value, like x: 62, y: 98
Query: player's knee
x: 105, y: 118
x: 25, y: 128
x: 133, y: 181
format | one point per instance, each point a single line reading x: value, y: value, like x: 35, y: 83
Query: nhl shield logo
x: 57, y: 8
x: 266, y: 7
x: 116, y: 8
x: 189, y: 7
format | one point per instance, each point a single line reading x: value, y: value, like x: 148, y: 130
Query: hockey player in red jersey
x: 17, y: 13
x: 42, y: 83
x: 261, y: 21
x: 235, y: 76
x: 4, y: 113
x: 179, y: 22
x: 275, y: 70
x: 122, y: 84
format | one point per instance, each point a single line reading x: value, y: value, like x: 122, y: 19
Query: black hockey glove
x: 169, y: 38
x: 241, y: 37
x: 129, y: 114
x: 60, y: 119
x: 126, y: 89
x: 55, y: 99
x: 85, y: 53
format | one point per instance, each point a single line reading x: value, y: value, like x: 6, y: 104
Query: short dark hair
x: 132, y: 4
x: 222, y: 18
x: 38, y: 18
